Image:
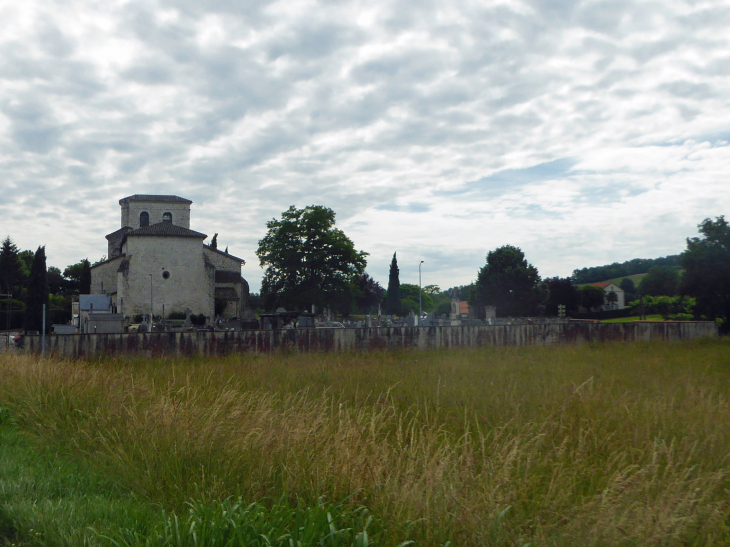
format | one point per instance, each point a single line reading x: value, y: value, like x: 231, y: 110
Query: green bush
x: 666, y: 306
x: 177, y: 315
x: 138, y: 318
x: 198, y: 320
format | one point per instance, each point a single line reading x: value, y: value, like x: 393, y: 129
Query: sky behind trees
x: 582, y: 132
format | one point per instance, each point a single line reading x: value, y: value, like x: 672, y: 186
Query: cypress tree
x: 37, y: 292
x: 11, y: 270
x: 392, y: 305
x: 85, y: 279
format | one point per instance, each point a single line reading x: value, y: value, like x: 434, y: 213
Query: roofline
x: 242, y: 261
x: 177, y: 199
x: 107, y: 261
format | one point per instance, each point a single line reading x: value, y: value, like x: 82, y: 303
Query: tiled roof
x: 463, y: 307
x: 165, y: 229
x: 152, y: 197
x: 119, y: 232
x: 242, y: 261
x: 603, y: 284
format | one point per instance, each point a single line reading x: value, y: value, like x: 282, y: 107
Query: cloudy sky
x: 583, y: 132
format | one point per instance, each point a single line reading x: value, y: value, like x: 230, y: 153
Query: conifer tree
x: 392, y: 305
x: 85, y: 279
x: 11, y: 270
x: 37, y: 292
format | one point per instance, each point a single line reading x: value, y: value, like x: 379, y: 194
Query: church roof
x: 208, y: 247
x: 152, y: 197
x: 165, y: 229
x: 120, y: 231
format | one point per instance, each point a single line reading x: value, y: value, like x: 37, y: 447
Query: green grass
x: 634, y: 318
x: 615, y: 444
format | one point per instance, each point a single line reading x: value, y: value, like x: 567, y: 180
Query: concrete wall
x: 104, y: 276
x: 220, y: 343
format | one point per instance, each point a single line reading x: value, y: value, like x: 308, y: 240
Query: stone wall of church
x: 188, y: 288
x: 104, y: 277
x: 180, y: 212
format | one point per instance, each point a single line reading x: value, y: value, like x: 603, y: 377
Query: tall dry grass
x: 593, y: 445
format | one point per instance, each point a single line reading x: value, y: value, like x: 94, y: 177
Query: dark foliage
x: 612, y: 271
x: 591, y: 297
x: 562, y: 291
x: 392, y: 304
x: 370, y: 294
x: 510, y: 283
x: 627, y: 285
x: 11, y: 268
x: 706, y: 265
x: 660, y: 281
x: 309, y: 261
x: 37, y: 292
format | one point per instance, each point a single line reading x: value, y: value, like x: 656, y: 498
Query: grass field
x: 611, y: 444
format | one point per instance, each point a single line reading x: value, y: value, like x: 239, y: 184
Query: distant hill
x: 621, y: 270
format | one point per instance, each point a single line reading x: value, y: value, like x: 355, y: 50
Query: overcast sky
x: 583, y: 132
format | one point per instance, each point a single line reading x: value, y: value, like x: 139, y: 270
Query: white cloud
x: 585, y: 132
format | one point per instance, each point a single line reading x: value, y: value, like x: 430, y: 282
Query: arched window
x: 167, y: 217
x: 144, y: 219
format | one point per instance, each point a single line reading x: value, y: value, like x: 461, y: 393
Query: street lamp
x: 420, y: 308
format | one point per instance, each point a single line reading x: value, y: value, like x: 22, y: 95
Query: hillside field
x: 591, y: 445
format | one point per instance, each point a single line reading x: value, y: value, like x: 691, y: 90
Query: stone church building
x: 156, y: 260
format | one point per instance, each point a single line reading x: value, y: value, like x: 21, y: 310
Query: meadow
x: 597, y: 444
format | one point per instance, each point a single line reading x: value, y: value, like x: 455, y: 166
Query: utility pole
x: 420, y: 307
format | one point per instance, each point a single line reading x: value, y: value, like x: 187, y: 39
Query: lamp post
x: 420, y: 308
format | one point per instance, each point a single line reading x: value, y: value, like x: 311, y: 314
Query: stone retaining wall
x: 367, y: 339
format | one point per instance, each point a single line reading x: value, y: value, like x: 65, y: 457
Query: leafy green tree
x: 370, y: 293
x: 591, y: 297
x: 56, y: 282
x: 37, y: 292
x: 11, y: 268
x: 611, y: 297
x: 309, y: 261
x: 432, y: 289
x: 561, y: 291
x: 393, y: 301
x: 627, y: 285
x: 409, y: 299
x: 660, y: 281
x: 706, y: 265
x: 510, y: 283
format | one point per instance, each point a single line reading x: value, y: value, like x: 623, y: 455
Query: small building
x: 611, y: 287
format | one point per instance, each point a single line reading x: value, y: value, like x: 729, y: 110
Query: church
x: 155, y: 262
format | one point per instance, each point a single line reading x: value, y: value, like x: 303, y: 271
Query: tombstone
x: 491, y: 312
x: 454, y: 315
x: 368, y: 321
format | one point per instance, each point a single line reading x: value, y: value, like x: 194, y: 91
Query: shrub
x: 177, y: 315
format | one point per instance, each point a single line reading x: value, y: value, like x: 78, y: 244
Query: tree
x: 409, y: 299
x: 11, y: 269
x: 37, y: 292
x: 309, y: 261
x: 392, y: 304
x: 561, y: 291
x: 660, y: 281
x: 611, y: 298
x: 370, y: 293
x: 214, y: 241
x: 56, y: 283
x: 591, y: 297
x: 706, y: 265
x: 510, y: 283
x: 627, y: 285
x: 85, y: 279
x: 432, y: 289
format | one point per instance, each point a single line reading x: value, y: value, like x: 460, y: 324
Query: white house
x: 611, y: 287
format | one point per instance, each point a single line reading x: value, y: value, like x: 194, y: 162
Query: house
x: 611, y: 287
x: 157, y: 264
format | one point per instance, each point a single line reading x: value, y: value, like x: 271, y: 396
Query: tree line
x: 623, y: 269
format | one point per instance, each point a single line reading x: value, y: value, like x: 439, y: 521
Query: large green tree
x: 660, y: 281
x: 309, y: 261
x: 37, y: 292
x: 706, y: 265
x: 510, y: 283
x: 561, y: 292
x: 392, y: 303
